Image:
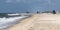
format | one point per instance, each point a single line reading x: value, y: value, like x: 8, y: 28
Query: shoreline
x: 13, y: 23
x: 39, y: 21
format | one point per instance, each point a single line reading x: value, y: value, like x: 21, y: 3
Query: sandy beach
x: 45, y: 21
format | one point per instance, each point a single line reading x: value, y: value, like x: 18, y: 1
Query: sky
x: 18, y: 6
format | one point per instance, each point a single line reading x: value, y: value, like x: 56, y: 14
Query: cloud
x: 17, y: 0
x: 49, y: 1
x: 28, y: 1
x: 24, y: 1
x: 8, y: 1
x: 12, y: 1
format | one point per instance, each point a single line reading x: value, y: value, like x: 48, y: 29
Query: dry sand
x: 39, y: 22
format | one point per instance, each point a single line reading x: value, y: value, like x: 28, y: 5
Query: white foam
x: 5, y: 22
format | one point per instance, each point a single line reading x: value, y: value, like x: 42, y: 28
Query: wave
x: 6, y: 22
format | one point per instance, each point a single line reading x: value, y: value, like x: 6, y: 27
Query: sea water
x: 6, y: 22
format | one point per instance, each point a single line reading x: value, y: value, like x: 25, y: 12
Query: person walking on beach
x: 54, y: 12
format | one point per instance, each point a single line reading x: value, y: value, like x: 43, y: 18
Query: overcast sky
x: 13, y: 6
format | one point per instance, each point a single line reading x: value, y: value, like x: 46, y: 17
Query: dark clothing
x: 54, y: 12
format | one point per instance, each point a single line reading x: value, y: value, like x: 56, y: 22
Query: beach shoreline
x: 38, y: 21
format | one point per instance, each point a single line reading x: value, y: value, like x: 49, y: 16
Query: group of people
x: 54, y: 12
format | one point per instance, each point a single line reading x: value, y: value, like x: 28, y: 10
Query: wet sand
x: 39, y: 22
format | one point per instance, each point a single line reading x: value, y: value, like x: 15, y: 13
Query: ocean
x: 7, y: 22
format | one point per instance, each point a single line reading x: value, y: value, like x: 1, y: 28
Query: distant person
x: 37, y: 12
x: 54, y: 12
x: 27, y: 12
